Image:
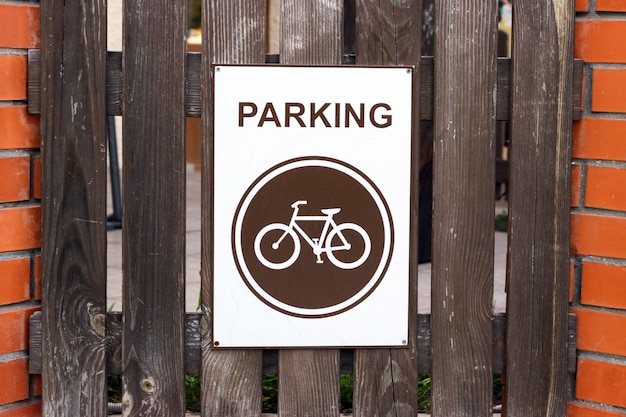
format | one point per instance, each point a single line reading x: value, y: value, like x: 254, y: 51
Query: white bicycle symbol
x: 324, y: 244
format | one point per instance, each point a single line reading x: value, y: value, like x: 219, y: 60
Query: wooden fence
x: 464, y: 89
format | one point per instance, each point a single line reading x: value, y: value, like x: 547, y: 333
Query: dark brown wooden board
x: 385, y: 380
x: 194, y: 89
x: 539, y: 214
x: 193, y: 346
x: 73, y: 207
x: 153, y: 249
x: 463, y: 208
x: 311, y: 34
x: 231, y: 379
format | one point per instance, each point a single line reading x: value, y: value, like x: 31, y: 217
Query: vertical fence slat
x: 74, y: 212
x: 463, y: 208
x: 311, y: 34
x: 541, y: 126
x: 231, y: 379
x: 154, y: 213
x: 389, y: 33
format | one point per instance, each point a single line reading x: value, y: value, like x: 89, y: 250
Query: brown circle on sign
x: 312, y: 203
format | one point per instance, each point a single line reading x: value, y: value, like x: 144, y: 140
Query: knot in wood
x: 98, y: 323
x: 127, y: 404
x: 148, y: 385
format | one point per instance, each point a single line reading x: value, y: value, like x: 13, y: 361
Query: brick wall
x: 598, y: 237
x: 20, y: 193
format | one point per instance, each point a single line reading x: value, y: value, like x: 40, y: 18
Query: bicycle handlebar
x: 297, y: 203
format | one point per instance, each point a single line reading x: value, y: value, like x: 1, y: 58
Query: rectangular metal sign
x: 311, y: 192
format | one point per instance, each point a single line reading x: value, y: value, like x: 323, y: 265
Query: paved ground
x: 114, y: 259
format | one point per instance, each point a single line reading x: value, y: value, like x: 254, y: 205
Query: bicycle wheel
x: 357, y: 241
x: 272, y: 253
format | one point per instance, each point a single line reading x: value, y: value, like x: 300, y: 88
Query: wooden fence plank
x: 74, y: 210
x: 231, y: 379
x: 541, y: 131
x: 311, y: 34
x: 154, y: 214
x: 193, y: 348
x: 463, y: 208
x: 389, y: 33
x: 193, y: 109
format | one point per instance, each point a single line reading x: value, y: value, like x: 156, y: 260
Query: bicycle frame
x: 317, y: 244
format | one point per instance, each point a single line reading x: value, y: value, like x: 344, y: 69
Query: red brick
x: 608, y: 91
x: 601, y: 382
x: 576, y: 182
x: 18, y: 129
x: 603, y: 285
x: 13, y: 381
x: 600, y: 331
x: 610, y: 6
x: 580, y: 410
x: 27, y: 410
x: 36, y: 187
x: 20, y: 228
x: 36, y: 388
x: 15, y: 174
x: 605, y: 188
x: 15, y: 280
x: 37, y: 277
x: 597, y: 41
x: 582, y: 5
x: 13, y: 77
x: 596, y: 235
x: 14, y: 329
x: 599, y: 138
x: 19, y: 26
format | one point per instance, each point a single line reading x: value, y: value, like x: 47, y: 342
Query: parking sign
x: 311, y: 195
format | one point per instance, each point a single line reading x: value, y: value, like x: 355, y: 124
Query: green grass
x: 193, y: 393
x: 502, y: 222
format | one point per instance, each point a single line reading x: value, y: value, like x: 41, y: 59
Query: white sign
x: 311, y: 192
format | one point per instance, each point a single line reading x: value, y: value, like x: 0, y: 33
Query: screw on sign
x: 323, y: 205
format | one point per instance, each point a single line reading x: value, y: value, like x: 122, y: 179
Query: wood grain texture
x: 385, y: 380
x: 231, y: 379
x: 153, y: 250
x: 193, y: 346
x: 311, y: 34
x: 539, y: 215
x: 73, y: 207
x: 464, y: 174
x: 193, y: 108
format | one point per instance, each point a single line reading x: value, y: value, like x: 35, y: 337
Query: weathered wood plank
x: 193, y: 351
x: 464, y: 158
x: 389, y: 33
x: 154, y: 213
x: 539, y: 207
x: 232, y: 379
x: 194, y: 89
x: 311, y: 34
x: 73, y: 203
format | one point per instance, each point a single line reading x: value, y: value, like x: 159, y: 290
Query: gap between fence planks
x: 270, y: 356
x: 115, y: 75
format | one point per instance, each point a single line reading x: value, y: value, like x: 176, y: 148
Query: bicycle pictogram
x: 346, y: 238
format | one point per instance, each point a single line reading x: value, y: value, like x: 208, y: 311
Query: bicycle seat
x: 330, y: 211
